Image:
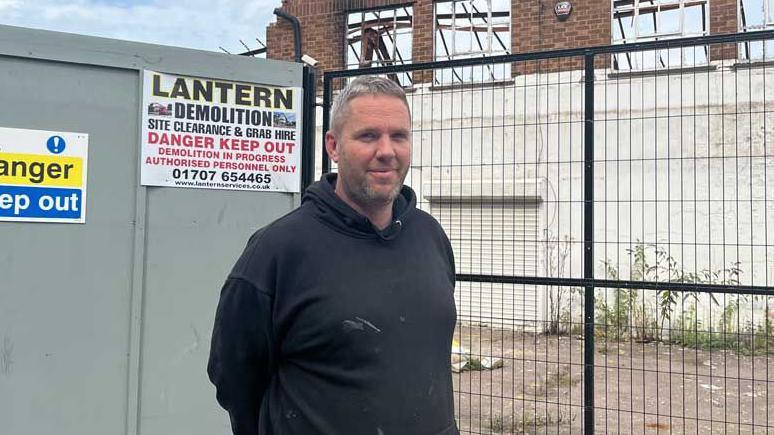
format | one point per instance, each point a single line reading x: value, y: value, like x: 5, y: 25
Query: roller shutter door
x: 494, y: 239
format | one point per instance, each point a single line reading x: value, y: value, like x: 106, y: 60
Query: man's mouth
x: 383, y: 175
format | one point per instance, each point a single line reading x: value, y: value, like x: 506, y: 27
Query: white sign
x: 43, y: 175
x: 216, y: 134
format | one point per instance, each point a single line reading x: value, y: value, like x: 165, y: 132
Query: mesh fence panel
x: 647, y: 220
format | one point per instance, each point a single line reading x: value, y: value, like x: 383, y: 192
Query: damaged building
x: 498, y: 145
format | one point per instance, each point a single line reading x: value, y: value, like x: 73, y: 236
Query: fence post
x: 307, y: 138
x: 588, y: 246
x: 327, y: 102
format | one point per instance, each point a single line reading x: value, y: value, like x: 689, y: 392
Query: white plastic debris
x: 459, y: 366
x: 491, y: 363
x: 459, y: 353
x: 462, y: 360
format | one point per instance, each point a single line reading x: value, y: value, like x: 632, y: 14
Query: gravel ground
x: 639, y: 387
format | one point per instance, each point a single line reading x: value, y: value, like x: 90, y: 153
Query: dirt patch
x: 639, y: 387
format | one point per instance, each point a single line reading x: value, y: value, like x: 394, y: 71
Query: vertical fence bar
x: 327, y: 102
x: 588, y: 246
x: 308, y: 139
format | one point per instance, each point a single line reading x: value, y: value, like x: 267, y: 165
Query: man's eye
x: 367, y: 136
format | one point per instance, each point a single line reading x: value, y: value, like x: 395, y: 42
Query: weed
x: 750, y: 340
x: 556, y: 253
x: 474, y: 364
x: 558, y: 379
x: 498, y: 423
x: 629, y: 316
x: 526, y: 420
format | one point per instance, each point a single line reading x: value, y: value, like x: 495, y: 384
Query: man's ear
x: 330, y: 147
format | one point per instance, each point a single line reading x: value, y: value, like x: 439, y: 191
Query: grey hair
x: 363, y: 85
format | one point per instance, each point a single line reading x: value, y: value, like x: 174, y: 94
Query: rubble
x: 462, y: 360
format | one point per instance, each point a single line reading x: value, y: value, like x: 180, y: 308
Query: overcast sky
x: 201, y: 24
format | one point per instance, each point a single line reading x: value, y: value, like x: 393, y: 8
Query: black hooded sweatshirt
x: 327, y: 325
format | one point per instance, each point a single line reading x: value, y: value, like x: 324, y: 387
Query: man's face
x: 373, y: 150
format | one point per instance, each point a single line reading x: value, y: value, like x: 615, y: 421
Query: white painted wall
x: 684, y: 161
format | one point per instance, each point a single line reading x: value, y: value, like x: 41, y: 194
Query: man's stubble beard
x: 362, y: 193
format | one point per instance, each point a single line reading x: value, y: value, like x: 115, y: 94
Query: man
x: 338, y: 317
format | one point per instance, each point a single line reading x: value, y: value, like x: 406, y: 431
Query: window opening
x: 756, y: 15
x: 654, y: 20
x: 380, y: 38
x: 472, y: 28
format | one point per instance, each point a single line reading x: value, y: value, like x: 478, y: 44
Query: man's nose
x: 385, y: 148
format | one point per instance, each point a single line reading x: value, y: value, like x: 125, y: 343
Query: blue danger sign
x: 36, y: 202
x: 43, y: 176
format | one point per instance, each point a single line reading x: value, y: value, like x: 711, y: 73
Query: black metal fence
x: 613, y: 232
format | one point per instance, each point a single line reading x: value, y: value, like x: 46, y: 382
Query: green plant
x: 567, y: 323
x: 474, y: 364
x: 644, y: 327
x: 728, y: 316
x: 562, y: 378
x: 628, y: 316
x: 763, y: 338
x: 613, y: 320
x: 498, y: 423
x: 749, y: 340
x: 527, y: 421
x: 556, y: 252
x: 687, y: 331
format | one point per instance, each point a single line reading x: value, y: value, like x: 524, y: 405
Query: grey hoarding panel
x: 193, y: 238
x: 105, y: 326
x: 65, y: 289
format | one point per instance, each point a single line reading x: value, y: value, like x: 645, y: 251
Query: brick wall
x: 322, y: 33
x: 423, y: 37
x: 723, y: 20
x: 538, y: 29
x: 323, y: 24
x: 534, y: 28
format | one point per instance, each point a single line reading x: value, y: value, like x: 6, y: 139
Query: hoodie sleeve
x: 241, y: 360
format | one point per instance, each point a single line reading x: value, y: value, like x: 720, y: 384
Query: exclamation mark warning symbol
x: 56, y: 144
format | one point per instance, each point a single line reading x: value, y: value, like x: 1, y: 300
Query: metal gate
x: 614, y: 227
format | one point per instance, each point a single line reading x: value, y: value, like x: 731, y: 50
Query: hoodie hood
x: 335, y: 212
